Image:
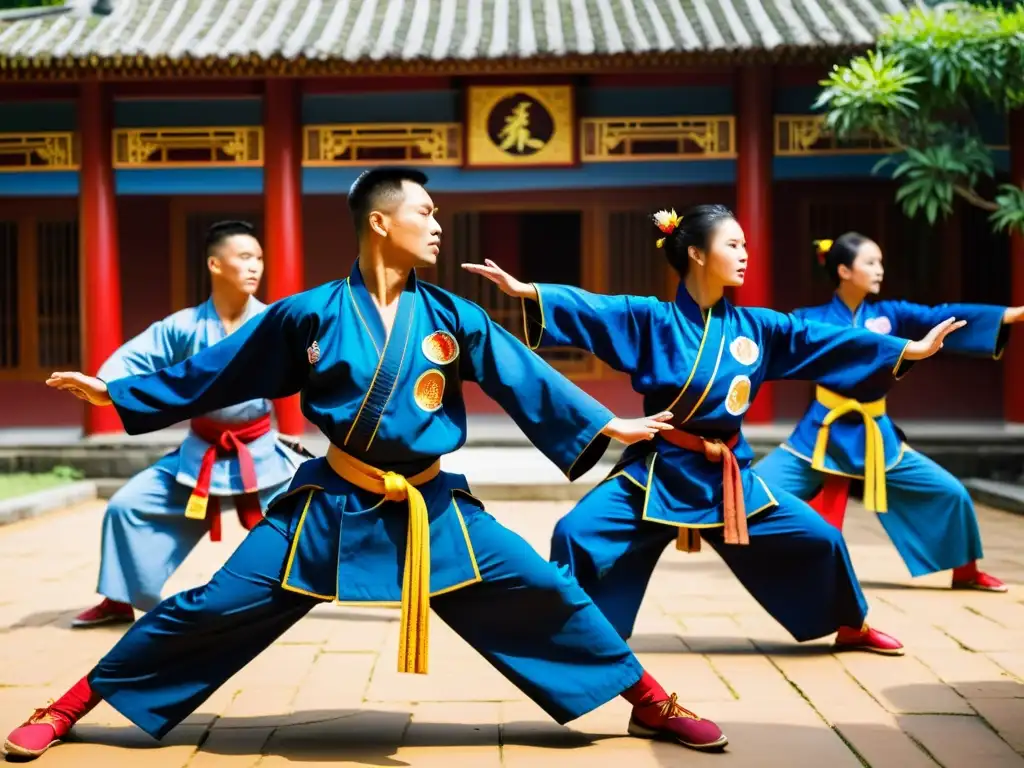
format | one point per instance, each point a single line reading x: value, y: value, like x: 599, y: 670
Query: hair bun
x: 822, y: 247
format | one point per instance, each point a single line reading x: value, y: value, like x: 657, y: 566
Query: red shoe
x: 980, y: 581
x: 667, y: 721
x: 37, y: 734
x: 868, y: 639
x: 107, y: 612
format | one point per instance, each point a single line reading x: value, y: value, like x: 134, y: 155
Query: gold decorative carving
x: 42, y: 151
x: 520, y: 126
x: 804, y: 135
x: 188, y: 147
x: 612, y: 139
x: 382, y: 144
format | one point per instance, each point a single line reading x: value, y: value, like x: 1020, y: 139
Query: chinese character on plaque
x: 520, y: 126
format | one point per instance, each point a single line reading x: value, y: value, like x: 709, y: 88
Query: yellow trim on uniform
x: 874, y: 446
x: 714, y: 374
x: 696, y: 360
x: 526, y: 322
x: 895, y: 369
x: 413, y: 640
x: 361, y: 318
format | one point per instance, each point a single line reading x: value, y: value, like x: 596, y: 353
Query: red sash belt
x: 734, y: 506
x: 227, y: 440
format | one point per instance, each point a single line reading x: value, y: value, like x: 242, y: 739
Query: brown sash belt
x: 735, y: 510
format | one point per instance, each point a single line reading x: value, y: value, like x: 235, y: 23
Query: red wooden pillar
x: 754, y: 148
x: 1013, y: 373
x: 97, y: 221
x: 282, y: 204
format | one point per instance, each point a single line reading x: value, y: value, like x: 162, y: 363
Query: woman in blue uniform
x: 703, y: 359
x: 846, y: 434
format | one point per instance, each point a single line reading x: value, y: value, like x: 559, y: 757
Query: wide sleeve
x: 164, y: 343
x: 985, y: 334
x: 832, y: 356
x: 610, y: 327
x: 265, y: 358
x: 561, y: 420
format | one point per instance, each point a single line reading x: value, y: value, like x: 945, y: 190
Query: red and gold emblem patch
x: 428, y: 391
x: 440, y: 348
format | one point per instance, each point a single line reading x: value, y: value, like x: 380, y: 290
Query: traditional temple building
x: 551, y: 129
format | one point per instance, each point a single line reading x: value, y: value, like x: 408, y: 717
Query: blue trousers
x: 146, y: 535
x: 796, y: 565
x: 931, y: 517
x: 527, y: 617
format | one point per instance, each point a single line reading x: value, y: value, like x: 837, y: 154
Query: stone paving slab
x: 327, y: 692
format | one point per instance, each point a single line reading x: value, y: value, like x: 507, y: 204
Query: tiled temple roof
x: 432, y: 35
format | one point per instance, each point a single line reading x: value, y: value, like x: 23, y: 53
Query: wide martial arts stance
x: 846, y: 434
x: 156, y: 518
x: 380, y: 359
x: 703, y: 359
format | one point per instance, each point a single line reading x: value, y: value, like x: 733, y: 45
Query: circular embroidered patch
x: 428, y: 391
x: 440, y: 348
x: 738, y: 399
x: 744, y: 350
x: 882, y: 325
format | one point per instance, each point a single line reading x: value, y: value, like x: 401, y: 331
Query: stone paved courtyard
x: 327, y: 692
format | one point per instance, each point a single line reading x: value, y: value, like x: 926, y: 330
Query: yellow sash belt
x: 874, y: 447
x: 413, y: 642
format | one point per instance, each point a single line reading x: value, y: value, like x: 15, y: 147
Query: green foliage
x: 921, y: 90
x: 8, y: 4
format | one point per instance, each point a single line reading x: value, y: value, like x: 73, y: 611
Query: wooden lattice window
x: 40, y: 301
x: 58, y: 294
x: 549, y: 250
x: 635, y: 265
x: 10, y: 341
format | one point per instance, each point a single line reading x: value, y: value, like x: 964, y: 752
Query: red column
x: 1013, y: 373
x: 97, y: 221
x: 282, y: 202
x: 754, y: 132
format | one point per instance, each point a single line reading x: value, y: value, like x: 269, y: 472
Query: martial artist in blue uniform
x: 150, y: 526
x: 380, y: 359
x: 846, y: 433
x: 703, y: 359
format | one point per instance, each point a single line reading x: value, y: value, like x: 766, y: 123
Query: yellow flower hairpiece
x: 823, y: 246
x: 666, y: 221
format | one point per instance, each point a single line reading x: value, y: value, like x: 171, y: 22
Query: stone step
x: 997, y: 493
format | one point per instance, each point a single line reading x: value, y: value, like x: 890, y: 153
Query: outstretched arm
x: 986, y: 334
x: 568, y: 426
x: 160, y: 345
x: 843, y: 357
x: 265, y: 358
x: 610, y: 327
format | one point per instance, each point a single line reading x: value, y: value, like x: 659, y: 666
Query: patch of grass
x: 22, y: 483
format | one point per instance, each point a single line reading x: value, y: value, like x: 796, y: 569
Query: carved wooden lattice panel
x: 10, y: 347
x: 464, y: 243
x: 635, y: 265
x: 59, y: 309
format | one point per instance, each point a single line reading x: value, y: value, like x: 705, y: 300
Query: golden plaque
x: 520, y: 126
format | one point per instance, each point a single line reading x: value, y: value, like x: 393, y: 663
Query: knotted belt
x: 874, y: 447
x: 734, y: 510
x: 414, y: 629
x: 227, y: 440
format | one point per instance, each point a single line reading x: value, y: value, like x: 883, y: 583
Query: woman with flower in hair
x: 846, y: 434
x: 703, y: 359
